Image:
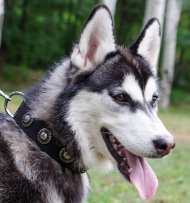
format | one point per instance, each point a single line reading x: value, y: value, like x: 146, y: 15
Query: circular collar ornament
x: 65, y: 156
x: 27, y: 120
x: 44, y: 136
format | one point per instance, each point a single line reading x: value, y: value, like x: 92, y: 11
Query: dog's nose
x: 163, y: 145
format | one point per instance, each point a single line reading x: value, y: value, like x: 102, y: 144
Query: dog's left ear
x: 96, y: 40
x: 148, y: 43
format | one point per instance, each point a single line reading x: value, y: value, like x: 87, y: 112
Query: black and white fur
x: 77, y: 99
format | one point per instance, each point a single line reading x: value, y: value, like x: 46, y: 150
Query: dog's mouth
x: 132, y: 167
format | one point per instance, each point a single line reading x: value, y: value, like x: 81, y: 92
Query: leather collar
x: 42, y: 135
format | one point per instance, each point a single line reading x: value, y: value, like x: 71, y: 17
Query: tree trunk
x: 111, y: 4
x: 154, y: 8
x: 1, y: 29
x: 1, y: 18
x: 173, y: 11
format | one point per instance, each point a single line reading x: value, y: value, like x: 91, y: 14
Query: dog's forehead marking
x: 132, y: 87
x: 150, y: 89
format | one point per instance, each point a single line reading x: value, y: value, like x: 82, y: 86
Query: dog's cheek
x: 133, y: 133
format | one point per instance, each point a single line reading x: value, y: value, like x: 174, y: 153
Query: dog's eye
x: 121, y: 97
x: 154, y: 99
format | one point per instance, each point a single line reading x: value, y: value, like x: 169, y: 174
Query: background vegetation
x: 36, y: 34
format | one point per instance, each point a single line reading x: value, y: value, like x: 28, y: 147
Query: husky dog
x: 98, y: 109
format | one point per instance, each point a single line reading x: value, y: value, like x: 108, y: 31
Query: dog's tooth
x: 114, y: 146
x: 130, y: 170
x: 124, y: 159
x: 119, y: 152
x: 111, y: 139
x: 120, y: 147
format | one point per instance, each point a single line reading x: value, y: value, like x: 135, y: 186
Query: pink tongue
x: 142, y: 176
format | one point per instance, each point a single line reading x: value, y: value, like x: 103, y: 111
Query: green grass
x: 18, y: 78
x: 177, y: 121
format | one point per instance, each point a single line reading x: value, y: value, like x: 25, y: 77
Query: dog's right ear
x: 96, y: 40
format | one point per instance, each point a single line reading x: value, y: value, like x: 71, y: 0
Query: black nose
x: 163, y: 145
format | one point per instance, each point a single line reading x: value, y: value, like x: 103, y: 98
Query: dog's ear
x: 96, y: 40
x: 148, y: 43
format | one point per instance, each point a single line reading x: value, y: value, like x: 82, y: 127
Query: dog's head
x: 113, y: 110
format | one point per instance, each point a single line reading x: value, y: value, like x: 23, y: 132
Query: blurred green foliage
x: 38, y: 33
x: 182, y: 67
x: 128, y: 21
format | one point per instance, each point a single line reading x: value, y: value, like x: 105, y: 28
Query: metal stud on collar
x: 65, y: 156
x: 27, y: 120
x: 44, y: 136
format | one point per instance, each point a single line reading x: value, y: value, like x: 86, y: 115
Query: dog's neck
x: 46, y: 104
x: 41, y: 97
x: 40, y: 101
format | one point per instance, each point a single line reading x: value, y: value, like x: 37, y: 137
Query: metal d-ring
x: 8, y: 99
